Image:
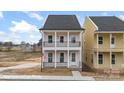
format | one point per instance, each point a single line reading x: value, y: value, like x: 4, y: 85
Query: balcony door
x: 112, y: 42
x: 61, y: 39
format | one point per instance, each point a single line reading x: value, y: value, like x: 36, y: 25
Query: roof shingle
x: 61, y: 22
x: 108, y: 23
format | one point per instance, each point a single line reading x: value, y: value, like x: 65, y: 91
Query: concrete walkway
x: 21, y: 66
x: 75, y: 75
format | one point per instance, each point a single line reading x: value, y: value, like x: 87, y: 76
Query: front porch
x: 62, y: 59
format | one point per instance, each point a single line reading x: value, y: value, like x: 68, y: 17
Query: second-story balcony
x: 62, y: 44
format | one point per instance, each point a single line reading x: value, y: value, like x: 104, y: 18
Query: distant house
x: 62, y: 42
x: 26, y: 47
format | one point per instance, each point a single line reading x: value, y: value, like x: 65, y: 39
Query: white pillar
x: 68, y: 58
x: 81, y: 49
x: 55, y: 49
x: 110, y: 60
x: 97, y: 57
x: 68, y: 47
x: 110, y: 40
x: 97, y: 53
x: 97, y: 36
x: 42, y: 49
x: 55, y: 39
x: 55, y: 58
x: 110, y: 51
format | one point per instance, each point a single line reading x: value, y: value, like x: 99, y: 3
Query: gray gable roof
x: 61, y: 22
x: 108, y: 23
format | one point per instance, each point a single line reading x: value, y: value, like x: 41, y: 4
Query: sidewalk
x: 76, y: 77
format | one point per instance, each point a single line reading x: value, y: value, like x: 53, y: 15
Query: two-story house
x: 62, y: 42
x: 104, y: 42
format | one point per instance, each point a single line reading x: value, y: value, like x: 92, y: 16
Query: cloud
x: 104, y: 14
x: 34, y: 15
x: 22, y: 26
x: 121, y: 17
x: 2, y: 33
x: 1, y: 15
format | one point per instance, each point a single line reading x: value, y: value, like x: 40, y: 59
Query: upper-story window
x: 100, y: 40
x: 113, y: 40
x: 61, y: 39
x: 50, y: 39
x: 73, y: 39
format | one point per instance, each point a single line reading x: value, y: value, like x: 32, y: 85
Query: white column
x: 42, y: 49
x: 80, y: 50
x: 110, y: 51
x: 110, y: 40
x: 55, y: 58
x: 110, y: 60
x: 97, y: 53
x: 68, y: 47
x: 97, y: 36
x: 55, y: 39
x: 97, y: 58
x: 55, y: 49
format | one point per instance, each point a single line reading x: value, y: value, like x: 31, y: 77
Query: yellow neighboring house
x: 103, y: 42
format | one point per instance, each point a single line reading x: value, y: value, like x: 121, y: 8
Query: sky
x: 18, y: 26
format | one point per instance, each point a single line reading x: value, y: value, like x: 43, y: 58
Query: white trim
x: 108, y: 32
x: 93, y: 22
x: 63, y: 30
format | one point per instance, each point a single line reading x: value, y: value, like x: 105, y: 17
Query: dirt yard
x: 37, y: 71
x: 17, y: 56
x: 103, y: 76
x: 13, y: 58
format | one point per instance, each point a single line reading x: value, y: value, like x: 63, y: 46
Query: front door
x: 61, y: 57
x: 73, y: 61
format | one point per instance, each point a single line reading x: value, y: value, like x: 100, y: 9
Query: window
x: 50, y: 40
x: 73, y: 39
x: 112, y: 40
x: 61, y: 39
x: 100, y: 58
x: 113, y: 59
x: 61, y: 57
x: 50, y: 57
x: 73, y: 57
x: 100, y: 40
